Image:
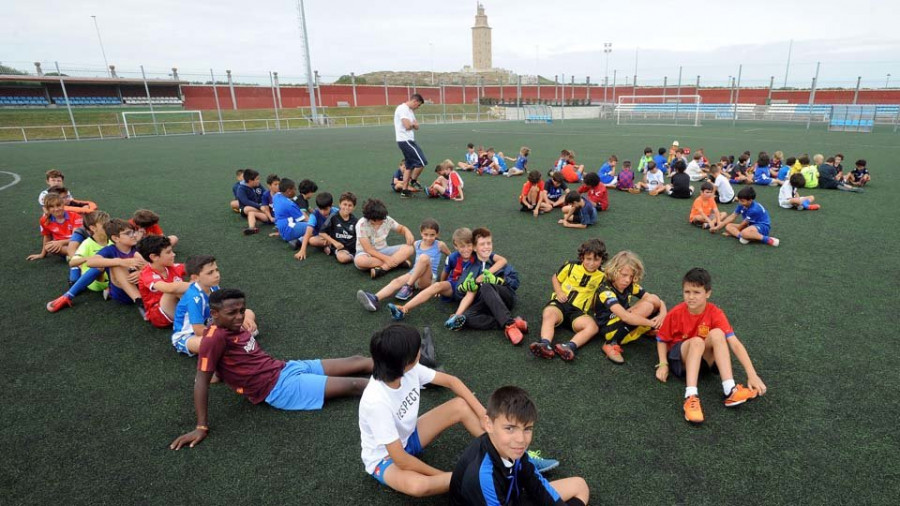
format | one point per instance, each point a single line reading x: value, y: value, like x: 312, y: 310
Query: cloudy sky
x: 706, y: 38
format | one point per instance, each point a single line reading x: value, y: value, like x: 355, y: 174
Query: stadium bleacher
x: 22, y: 101
x: 155, y: 100
x: 87, y: 101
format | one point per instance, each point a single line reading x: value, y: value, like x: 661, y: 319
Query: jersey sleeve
x: 44, y: 229
x: 426, y: 375
x: 147, y: 278
x: 608, y: 298
x: 82, y: 249
x: 666, y: 332
x: 211, y: 349
x: 638, y: 291
x: 108, y: 252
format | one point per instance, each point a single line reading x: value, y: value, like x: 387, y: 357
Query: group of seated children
x: 755, y: 222
x: 579, y: 208
x: 478, y: 282
x: 493, y: 163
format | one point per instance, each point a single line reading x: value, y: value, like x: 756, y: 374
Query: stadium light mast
x: 309, y: 74
x: 607, y: 48
x: 102, y: 51
x: 431, y: 54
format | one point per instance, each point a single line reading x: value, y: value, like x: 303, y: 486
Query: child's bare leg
x: 464, y: 304
x: 448, y: 414
x: 441, y: 288
x: 344, y: 387
x: 318, y: 241
x: 550, y: 318
x: 585, y: 329
x: 263, y: 217
x: 235, y: 205
x: 168, y: 302
x: 717, y: 351
x: 414, y: 484
x: 343, y: 256
x: 420, y: 275
x: 402, y: 254
x: 392, y: 287
x: 569, y: 488
x: 751, y: 234
x: 365, y: 262
x: 119, y: 277
x: 251, y: 217
x: 691, y: 354
x: 193, y: 344
x: 348, y: 366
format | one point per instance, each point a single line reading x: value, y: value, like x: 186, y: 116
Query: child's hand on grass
x: 36, y: 256
x: 190, y: 439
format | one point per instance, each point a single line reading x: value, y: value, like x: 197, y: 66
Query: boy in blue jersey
x: 578, y: 211
x: 755, y: 223
x: 192, y: 312
x: 272, y: 181
x: 607, y: 172
x: 762, y: 173
x: 490, y: 284
x: 235, y: 205
x: 497, y: 467
x: 446, y: 287
x: 250, y: 200
x: 290, y: 218
x: 662, y: 163
x: 556, y: 189
x: 317, y: 219
x: 471, y: 161
x: 521, y: 166
x: 422, y: 274
x: 397, y: 178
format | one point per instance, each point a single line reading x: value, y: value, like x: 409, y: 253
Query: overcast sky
x: 707, y: 38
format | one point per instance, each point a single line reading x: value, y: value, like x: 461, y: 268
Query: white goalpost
x: 659, y: 110
x: 144, y: 123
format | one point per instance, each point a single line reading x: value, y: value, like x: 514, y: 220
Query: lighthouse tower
x: 481, y: 41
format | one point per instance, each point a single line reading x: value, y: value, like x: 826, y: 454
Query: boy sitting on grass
x: 317, y: 219
x: 161, y: 282
x: 249, y: 196
x: 696, y: 338
x: 533, y: 198
x: 229, y: 351
x: 789, y: 198
x: 57, y: 226
x: 448, y: 184
x: 859, y: 176
x: 755, y: 224
x: 339, y: 230
x: 498, y: 464
x: 95, y: 241
x: 148, y: 222
x: 235, y: 205
x: 574, y: 286
x: 578, y: 211
x: 372, y: 251
x: 704, y: 212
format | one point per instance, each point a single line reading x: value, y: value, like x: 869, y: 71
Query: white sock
x: 728, y: 386
x: 689, y: 391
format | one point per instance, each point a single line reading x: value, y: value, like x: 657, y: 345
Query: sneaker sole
x: 539, y: 352
x: 735, y: 404
x: 365, y: 302
x: 549, y: 468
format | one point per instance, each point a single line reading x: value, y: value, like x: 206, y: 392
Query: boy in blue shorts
x: 317, y: 219
x: 755, y: 223
x: 121, y: 263
x: 392, y: 434
x: 498, y: 464
x: 290, y: 218
x: 229, y: 351
x: 697, y: 337
x: 454, y: 268
x: 423, y: 273
x: 192, y: 314
x: 575, y: 285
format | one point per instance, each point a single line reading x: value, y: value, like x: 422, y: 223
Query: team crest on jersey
x: 703, y: 331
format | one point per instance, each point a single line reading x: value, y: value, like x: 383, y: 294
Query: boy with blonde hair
x: 448, y: 183
x: 57, y: 226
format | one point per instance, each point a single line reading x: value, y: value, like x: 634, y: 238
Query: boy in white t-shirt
x: 392, y: 433
x: 372, y: 252
x: 694, y: 170
x: 788, y: 198
x: 654, y: 180
x: 724, y: 191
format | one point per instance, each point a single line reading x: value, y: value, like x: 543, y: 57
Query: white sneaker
x: 743, y: 241
x: 774, y: 241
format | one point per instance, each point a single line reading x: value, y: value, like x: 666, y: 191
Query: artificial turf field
x: 93, y: 395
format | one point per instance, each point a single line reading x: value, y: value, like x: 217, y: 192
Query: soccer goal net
x: 144, y: 123
x: 658, y: 110
x: 538, y: 114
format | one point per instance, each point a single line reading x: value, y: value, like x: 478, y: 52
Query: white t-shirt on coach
x: 726, y: 192
x: 404, y: 112
x: 386, y: 414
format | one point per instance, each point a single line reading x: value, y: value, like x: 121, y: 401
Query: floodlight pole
x: 149, y: 100
x: 309, y: 75
x: 788, y: 66
x: 68, y: 105
x: 102, y: 50
x: 518, y: 97
x: 812, y: 95
x: 353, y: 82
x: 274, y: 102
x: 737, y: 95
x: 216, y: 95
x: 678, y: 92
x: 607, y: 48
x: 856, y: 93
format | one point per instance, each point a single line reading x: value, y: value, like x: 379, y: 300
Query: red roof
x: 88, y: 80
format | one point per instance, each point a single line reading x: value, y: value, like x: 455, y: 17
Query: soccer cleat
x: 513, y: 333
x: 521, y: 324
x: 142, y: 312
x: 614, y: 353
x: 489, y: 277
x: 541, y: 464
x: 251, y: 231
x: 455, y: 322
x: 368, y: 301
x: 59, y: 303
x: 739, y: 395
x: 407, y: 263
x: 773, y: 242
x: 814, y: 207
x: 692, y: 411
x: 542, y: 349
x: 565, y: 351
x: 406, y: 292
x: 405, y: 194
x: 427, y: 356
x: 106, y: 294
x: 743, y: 241
x: 396, y: 313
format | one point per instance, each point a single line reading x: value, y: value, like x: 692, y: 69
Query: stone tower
x: 481, y: 41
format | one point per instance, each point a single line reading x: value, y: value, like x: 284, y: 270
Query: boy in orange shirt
x: 533, y: 197
x: 704, y: 212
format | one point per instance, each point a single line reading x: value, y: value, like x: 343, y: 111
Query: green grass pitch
x: 92, y: 396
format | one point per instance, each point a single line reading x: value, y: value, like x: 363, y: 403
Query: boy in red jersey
x: 695, y: 337
x: 162, y: 280
x: 228, y: 350
x: 57, y: 226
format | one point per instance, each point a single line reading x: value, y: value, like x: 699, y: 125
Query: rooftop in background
x: 86, y: 80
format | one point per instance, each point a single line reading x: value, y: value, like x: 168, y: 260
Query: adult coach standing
x: 405, y: 126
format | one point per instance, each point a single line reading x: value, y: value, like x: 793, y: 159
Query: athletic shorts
x: 413, y: 447
x: 762, y: 229
x: 568, y: 312
x: 118, y: 295
x: 296, y: 232
x: 412, y: 154
x: 456, y: 297
x: 179, y: 342
x: 300, y: 386
x: 616, y: 330
x: 158, y: 317
x: 676, y: 366
x: 388, y: 250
